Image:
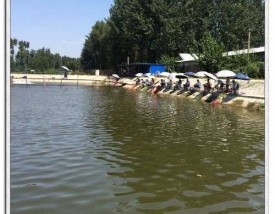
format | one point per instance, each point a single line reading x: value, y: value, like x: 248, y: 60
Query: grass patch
x: 256, y: 106
x: 262, y: 106
x: 238, y: 102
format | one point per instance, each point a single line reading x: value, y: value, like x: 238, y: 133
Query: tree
x: 13, y: 43
x: 146, y: 30
x: 22, y: 55
x: 210, y: 54
x: 41, y: 60
x: 169, y: 61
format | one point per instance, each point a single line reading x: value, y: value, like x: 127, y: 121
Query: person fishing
x: 207, y: 85
x: 235, y: 87
x: 187, y: 84
x: 197, y: 84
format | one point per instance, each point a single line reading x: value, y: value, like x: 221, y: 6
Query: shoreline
x: 251, y: 93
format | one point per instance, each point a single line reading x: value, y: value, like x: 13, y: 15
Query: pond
x: 111, y: 150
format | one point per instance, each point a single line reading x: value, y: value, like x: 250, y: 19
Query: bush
x: 243, y: 63
x: 254, y: 70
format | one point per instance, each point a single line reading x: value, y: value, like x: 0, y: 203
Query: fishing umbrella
x: 115, y: 76
x: 181, y: 76
x: 200, y: 74
x: 172, y: 76
x: 164, y: 74
x: 225, y: 73
x: 151, y: 77
x: 147, y: 74
x: 139, y: 74
x: 241, y: 76
x: 189, y: 73
x: 65, y: 68
x: 212, y: 76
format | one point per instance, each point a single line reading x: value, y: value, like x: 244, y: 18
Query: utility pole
x: 248, y: 43
x: 128, y: 68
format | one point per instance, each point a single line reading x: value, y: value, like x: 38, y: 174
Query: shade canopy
x: 115, y: 76
x: 181, y: 76
x: 200, y: 74
x: 151, y: 77
x: 164, y: 74
x: 139, y: 74
x: 212, y: 76
x: 147, y: 74
x: 225, y: 73
x: 172, y: 76
x: 65, y: 68
x: 206, y: 74
x: 241, y: 76
x: 189, y: 73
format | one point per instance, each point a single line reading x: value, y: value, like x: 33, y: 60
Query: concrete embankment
x: 251, y: 93
x: 48, y: 79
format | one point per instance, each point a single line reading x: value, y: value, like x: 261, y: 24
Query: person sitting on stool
x: 207, y: 85
x: 186, y: 85
x: 197, y: 84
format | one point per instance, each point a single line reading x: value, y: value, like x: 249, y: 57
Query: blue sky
x: 60, y: 25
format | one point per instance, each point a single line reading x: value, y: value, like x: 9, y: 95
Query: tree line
x: 158, y: 30
x: 38, y: 61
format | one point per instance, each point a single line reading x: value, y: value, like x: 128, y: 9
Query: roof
x: 145, y: 63
x: 186, y: 57
x: 142, y: 63
x: 245, y: 51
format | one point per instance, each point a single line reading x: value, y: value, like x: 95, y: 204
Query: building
x: 138, y: 67
x: 188, y: 61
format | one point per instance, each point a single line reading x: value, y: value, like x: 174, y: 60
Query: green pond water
x: 112, y: 150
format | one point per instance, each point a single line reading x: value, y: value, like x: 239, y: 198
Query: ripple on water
x: 110, y: 151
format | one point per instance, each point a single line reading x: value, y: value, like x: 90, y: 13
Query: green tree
x: 96, y: 50
x: 210, y: 54
x: 22, y: 55
x: 146, y: 30
x: 169, y: 61
x: 13, y: 43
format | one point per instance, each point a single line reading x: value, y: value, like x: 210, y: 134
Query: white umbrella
x: 164, y: 74
x: 172, y: 76
x: 150, y: 77
x: 200, y: 74
x: 212, y: 76
x: 147, y: 74
x: 115, y: 76
x: 206, y: 74
x: 139, y: 74
x: 225, y: 73
x: 64, y: 67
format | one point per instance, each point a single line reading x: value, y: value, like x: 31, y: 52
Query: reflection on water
x: 110, y: 150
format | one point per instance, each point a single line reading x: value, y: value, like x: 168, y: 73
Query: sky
x: 60, y: 25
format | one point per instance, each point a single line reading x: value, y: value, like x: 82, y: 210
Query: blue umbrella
x: 189, y: 73
x: 241, y: 76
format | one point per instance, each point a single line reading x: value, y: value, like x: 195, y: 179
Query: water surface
x: 111, y: 150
